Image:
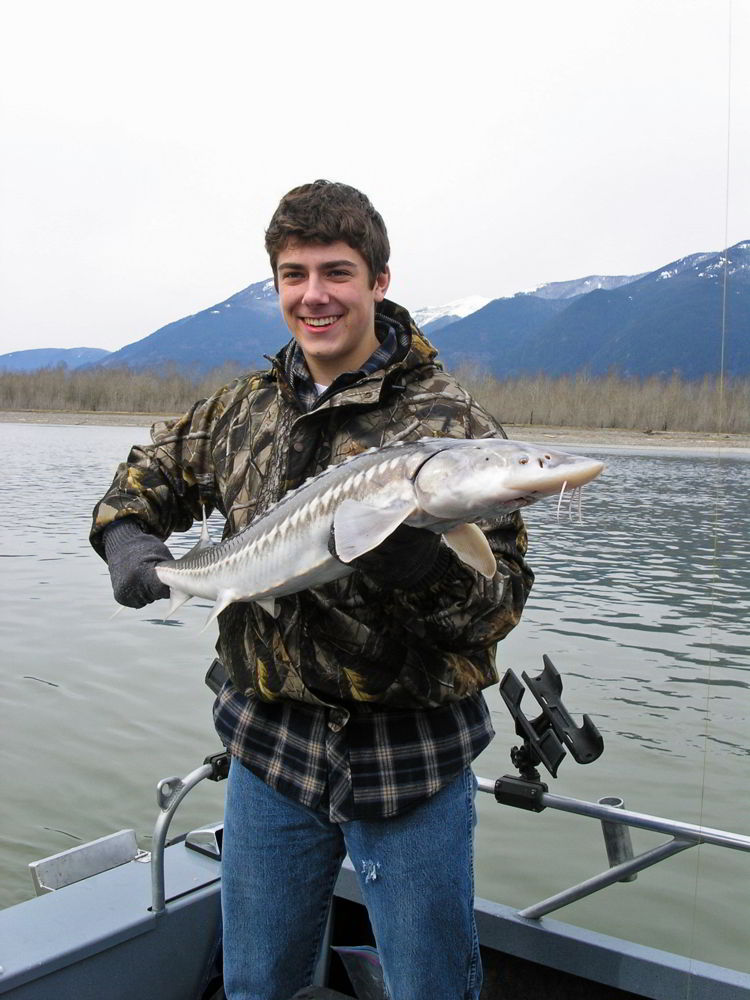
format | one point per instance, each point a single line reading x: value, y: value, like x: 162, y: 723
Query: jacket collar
x: 402, y: 346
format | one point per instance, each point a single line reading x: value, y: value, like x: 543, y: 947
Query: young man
x: 352, y: 718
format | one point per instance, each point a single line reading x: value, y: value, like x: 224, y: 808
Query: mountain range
x: 50, y: 357
x: 242, y: 329
x: 656, y: 323
x: 663, y: 322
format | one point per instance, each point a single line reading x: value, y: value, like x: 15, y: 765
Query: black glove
x: 131, y: 556
x: 409, y: 558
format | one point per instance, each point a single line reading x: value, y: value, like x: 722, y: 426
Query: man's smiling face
x: 329, y: 305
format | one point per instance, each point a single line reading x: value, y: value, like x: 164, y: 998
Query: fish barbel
x: 443, y: 484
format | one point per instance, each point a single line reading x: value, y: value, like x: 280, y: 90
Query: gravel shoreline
x: 600, y: 436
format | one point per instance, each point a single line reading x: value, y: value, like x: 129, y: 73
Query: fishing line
x: 717, y: 495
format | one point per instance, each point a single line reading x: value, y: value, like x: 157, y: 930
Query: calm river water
x: 644, y: 609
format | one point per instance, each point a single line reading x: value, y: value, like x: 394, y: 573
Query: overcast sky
x: 145, y: 145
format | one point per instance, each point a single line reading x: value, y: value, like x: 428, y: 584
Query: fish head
x: 480, y: 477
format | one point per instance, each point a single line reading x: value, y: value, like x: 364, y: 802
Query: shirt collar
x: 394, y: 344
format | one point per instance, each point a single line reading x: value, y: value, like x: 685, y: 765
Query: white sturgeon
x: 443, y: 484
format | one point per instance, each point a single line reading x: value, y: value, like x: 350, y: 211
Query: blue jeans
x: 416, y: 874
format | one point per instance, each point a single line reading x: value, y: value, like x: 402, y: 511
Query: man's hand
x: 132, y: 555
x: 409, y: 558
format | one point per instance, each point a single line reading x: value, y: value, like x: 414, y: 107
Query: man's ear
x: 382, y: 282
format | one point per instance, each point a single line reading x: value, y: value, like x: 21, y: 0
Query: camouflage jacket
x: 346, y: 642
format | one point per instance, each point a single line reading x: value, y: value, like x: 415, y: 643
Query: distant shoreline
x: 94, y: 418
x: 600, y: 436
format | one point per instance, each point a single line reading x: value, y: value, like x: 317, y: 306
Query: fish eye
x: 523, y: 461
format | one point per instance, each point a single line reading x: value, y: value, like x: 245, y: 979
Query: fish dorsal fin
x: 360, y: 527
x: 205, y: 539
x: 204, y: 542
x: 470, y: 544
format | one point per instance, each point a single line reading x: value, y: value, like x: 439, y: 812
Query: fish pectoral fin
x: 271, y: 605
x: 359, y: 527
x: 176, y: 599
x: 470, y: 544
x: 225, y: 598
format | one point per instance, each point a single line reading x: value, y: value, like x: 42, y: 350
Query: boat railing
x: 614, y: 818
x: 616, y: 821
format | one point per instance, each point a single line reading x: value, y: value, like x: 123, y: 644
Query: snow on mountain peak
x: 581, y: 286
x: 260, y: 291
x: 457, y: 307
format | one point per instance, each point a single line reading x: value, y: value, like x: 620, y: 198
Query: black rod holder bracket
x: 546, y: 738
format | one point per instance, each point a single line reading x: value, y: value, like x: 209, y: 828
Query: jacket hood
x: 420, y: 346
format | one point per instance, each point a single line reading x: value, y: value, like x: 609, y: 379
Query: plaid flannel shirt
x: 359, y: 762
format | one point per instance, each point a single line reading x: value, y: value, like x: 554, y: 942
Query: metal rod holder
x: 617, y: 840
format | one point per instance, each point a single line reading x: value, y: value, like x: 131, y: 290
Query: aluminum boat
x: 113, y: 922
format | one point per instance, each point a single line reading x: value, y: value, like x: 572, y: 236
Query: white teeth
x: 320, y: 320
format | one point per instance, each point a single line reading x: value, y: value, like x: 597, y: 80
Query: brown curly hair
x: 325, y: 212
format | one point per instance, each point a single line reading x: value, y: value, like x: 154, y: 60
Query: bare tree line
x: 581, y: 400
x: 649, y: 404
x: 112, y: 390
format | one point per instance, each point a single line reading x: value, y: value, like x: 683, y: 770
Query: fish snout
x: 549, y: 471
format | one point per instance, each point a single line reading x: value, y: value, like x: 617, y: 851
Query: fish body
x: 442, y: 484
